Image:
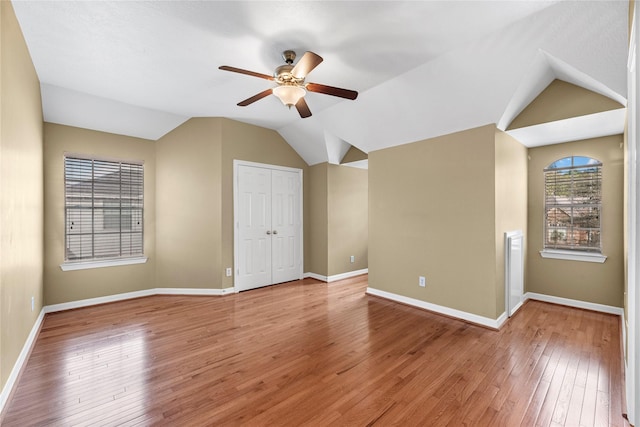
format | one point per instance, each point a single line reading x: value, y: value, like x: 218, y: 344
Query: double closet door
x: 268, y: 225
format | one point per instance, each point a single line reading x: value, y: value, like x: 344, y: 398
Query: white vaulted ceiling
x: 423, y: 69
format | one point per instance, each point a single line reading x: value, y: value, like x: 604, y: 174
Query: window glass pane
x: 79, y: 221
x: 135, y: 220
x: 79, y: 246
x: 558, y: 237
x: 588, y: 238
x: 110, y: 216
x: 106, y: 244
x: 131, y: 243
x: 562, y: 163
x: 586, y: 217
x: 558, y: 217
x: 584, y: 161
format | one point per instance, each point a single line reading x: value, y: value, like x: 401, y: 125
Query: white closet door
x: 254, y: 228
x: 268, y: 217
x: 285, y: 224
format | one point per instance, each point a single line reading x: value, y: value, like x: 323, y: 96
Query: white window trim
x: 573, y: 255
x: 85, y: 265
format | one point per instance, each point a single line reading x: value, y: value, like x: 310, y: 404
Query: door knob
x: 275, y: 231
x: 268, y: 231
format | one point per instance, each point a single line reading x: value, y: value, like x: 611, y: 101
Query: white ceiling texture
x: 422, y: 68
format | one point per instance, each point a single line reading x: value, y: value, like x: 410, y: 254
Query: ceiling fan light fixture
x: 290, y: 86
x: 288, y: 94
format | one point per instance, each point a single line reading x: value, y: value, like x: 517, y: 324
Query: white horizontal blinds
x: 573, y: 204
x: 104, y: 207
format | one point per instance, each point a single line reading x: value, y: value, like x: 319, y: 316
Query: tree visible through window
x: 573, y: 203
x: 104, y: 202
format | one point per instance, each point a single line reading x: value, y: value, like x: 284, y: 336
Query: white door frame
x: 508, y: 236
x: 238, y: 163
x: 632, y: 373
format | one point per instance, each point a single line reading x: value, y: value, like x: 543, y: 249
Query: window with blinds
x: 104, y: 206
x: 573, y: 204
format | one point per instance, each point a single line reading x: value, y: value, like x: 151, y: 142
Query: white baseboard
x: 347, y: 275
x: 22, y: 359
x: 451, y: 312
x: 315, y: 276
x: 575, y: 303
x: 501, y: 319
x: 99, y: 300
x: 518, y: 306
x: 337, y: 277
x: 194, y: 291
x: 137, y: 294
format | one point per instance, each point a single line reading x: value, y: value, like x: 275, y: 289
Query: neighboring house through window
x: 104, y: 204
x: 573, y: 205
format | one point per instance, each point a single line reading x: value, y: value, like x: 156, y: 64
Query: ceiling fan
x: 291, y: 87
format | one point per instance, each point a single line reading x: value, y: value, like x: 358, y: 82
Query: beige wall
x: 64, y: 286
x: 347, y: 217
x: 353, y: 155
x: 195, y: 196
x: 561, y: 100
x: 241, y: 141
x: 584, y: 281
x: 511, y: 201
x: 338, y: 205
x: 318, y: 261
x: 189, y: 207
x: 21, y: 192
x: 432, y: 213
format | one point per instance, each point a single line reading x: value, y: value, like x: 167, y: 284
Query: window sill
x: 573, y: 255
x: 71, y: 266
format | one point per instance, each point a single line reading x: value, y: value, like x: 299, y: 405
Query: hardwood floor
x: 311, y: 353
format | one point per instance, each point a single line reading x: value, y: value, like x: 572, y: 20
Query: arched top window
x: 573, y: 203
x: 574, y: 162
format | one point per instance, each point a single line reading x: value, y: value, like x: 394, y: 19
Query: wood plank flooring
x: 312, y: 353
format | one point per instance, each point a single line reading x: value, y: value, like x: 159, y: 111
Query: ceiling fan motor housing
x: 283, y: 76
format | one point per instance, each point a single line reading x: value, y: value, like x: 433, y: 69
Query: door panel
x: 286, y: 225
x: 254, y: 260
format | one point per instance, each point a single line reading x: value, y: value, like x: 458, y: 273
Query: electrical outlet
x: 228, y: 271
x: 33, y: 303
x: 422, y: 282
x: 353, y: 259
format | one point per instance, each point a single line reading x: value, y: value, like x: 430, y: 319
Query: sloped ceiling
x: 423, y: 69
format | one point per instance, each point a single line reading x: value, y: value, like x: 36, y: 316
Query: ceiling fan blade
x: 303, y: 108
x: 330, y: 90
x: 308, y: 62
x: 255, y: 98
x: 247, y: 72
